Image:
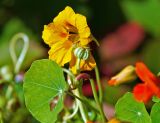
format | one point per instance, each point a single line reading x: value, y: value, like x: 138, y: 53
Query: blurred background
x: 127, y: 30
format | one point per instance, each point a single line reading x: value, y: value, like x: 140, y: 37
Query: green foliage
x: 155, y: 99
x: 145, y: 12
x: 129, y: 110
x: 151, y: 55
x: 155, y: 113
x: 43, y: 83
x: 11, y: 28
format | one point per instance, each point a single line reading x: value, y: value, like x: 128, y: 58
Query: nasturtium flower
x: 125, y: 76
x: 67, y: 32
x: 150, y: 86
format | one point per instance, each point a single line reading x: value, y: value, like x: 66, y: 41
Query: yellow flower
x: 67, y: 32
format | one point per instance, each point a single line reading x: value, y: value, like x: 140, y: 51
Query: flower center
x: 73, y: 34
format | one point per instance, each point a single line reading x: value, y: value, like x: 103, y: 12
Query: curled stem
x: 95, y: 40
x: 78, y: 93
x: 18, y: 62
x: 97, y: 101
x: 73, y: 114
x: 99, y: 84
x: 71, y: 75
x: 81, y: 107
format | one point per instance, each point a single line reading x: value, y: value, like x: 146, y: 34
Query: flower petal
x: 53, y: 33
x: 67, y: 15
x: 83, y: 29
x: 143, y: 72
x: 88, y: 64
x: 147, y: 77
x: 61, y: 53
x: 142, y: 92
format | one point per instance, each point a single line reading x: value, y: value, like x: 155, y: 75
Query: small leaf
x: 129, y: 110
x: 155, y: 113
x: 44, y: 84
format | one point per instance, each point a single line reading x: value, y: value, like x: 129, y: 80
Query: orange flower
x: 150, y: 86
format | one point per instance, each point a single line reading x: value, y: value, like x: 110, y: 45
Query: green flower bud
x: 82, y: 53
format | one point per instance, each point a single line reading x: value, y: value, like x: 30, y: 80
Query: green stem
x: 81, y: 107
x: 97, y: 101
x: 78, y: 65
x: 70, y: 74
x: 9, y: 92
x: 1, y: 117
x: 83, y: 101
x: 18, y: 62
x: 71, y: 115
x: 95, y: 40
x: 78, y: 93
x: 99, y: 85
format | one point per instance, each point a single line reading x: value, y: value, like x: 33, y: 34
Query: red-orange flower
x: 150, y: 86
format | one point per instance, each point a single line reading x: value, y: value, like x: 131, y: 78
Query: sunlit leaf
x: 155, y: 113
x: 44, y: 86
x: 129, y: 110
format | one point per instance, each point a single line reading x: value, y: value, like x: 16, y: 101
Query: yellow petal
x: 85, y: 41
x: 61, y: 53
x: 83, y: 29
x: 81, y: 22
x: 53, y: 33
x: 67, y: 15
x: 88, y: 64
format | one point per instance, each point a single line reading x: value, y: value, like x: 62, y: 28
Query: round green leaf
x: 44, y: 84
x: 129, y: 110
x: 155, y: 113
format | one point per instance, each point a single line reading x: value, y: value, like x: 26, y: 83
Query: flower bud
x: 126, y: 75
x: 6, y: 73
x: 82, y: 53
